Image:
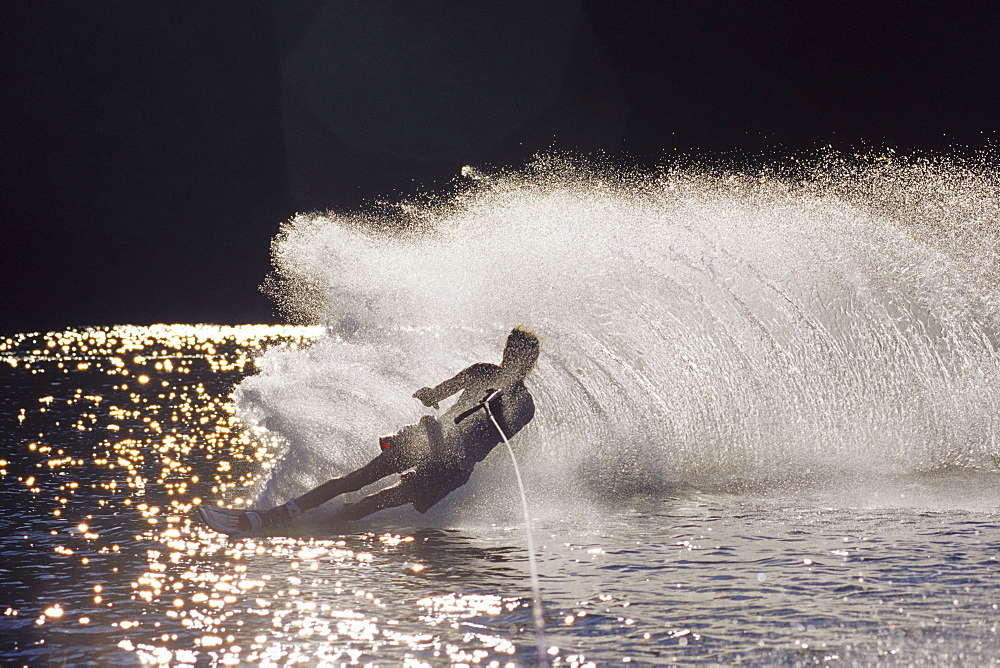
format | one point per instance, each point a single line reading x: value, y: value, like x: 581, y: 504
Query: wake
x: 699, y: 327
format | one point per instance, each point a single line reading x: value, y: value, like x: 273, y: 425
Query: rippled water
x: 111, y: 436
x: 767, y: 431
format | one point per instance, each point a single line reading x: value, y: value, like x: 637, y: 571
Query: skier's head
x: 521, y: 351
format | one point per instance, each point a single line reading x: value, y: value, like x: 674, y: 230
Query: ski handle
x: 491, y: 396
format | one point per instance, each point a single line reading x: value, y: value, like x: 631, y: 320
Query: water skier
x: 441, y: 453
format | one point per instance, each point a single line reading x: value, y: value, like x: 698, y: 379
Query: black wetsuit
x: 435, y: 456
x: 465, y: 444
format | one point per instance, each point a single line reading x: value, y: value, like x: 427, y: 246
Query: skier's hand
x: 426, y: 397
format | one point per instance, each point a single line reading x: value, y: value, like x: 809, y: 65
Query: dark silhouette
x: 435, y: 457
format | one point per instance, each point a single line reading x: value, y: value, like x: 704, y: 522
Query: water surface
x: 767, y: 431
x: 112, y: 436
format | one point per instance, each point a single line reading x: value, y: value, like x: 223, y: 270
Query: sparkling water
x: 767, y: 432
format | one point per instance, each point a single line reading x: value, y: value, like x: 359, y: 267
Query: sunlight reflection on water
x: 111, y: 437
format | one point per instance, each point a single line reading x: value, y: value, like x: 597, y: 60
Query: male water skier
x: 441, y: 453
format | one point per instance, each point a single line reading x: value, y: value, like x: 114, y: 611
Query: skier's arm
x: 477, y: 373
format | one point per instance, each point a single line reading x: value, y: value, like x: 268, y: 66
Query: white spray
x: 832, y: 320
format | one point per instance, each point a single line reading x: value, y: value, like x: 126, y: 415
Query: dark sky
x: 150, y: 150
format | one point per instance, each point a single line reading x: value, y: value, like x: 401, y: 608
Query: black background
x: 150, y: 150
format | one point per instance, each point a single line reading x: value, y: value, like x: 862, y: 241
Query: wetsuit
x: 435, y: 457
x: 444, y: 461
x: 463, y: 445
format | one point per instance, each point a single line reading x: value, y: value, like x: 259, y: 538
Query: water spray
x: 830, y: 320
x: 541, y: 645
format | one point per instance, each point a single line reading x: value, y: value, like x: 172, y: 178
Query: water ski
x: 227, y: 520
